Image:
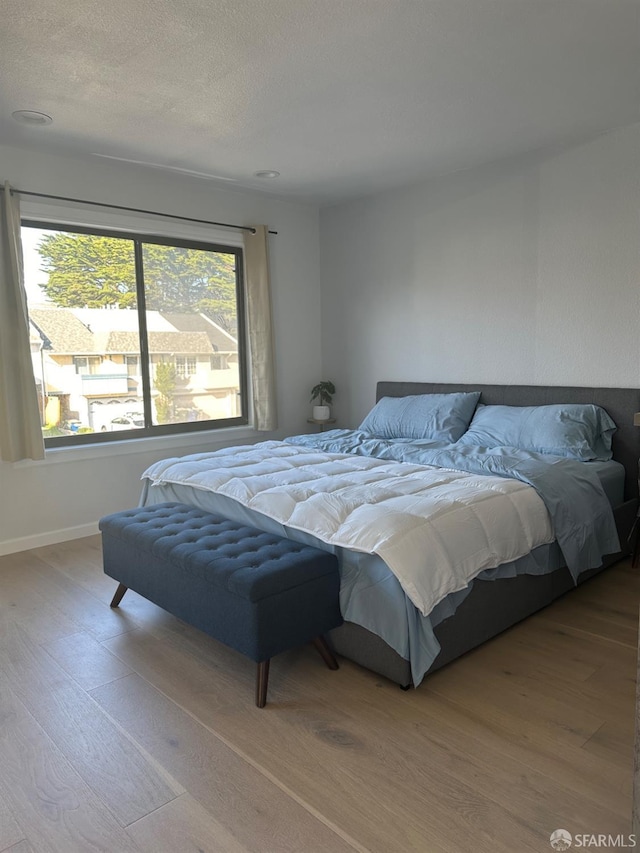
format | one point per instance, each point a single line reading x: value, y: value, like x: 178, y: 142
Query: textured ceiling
x: 343, y: 97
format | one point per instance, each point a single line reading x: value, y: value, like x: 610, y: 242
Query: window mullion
x: 145, y: 360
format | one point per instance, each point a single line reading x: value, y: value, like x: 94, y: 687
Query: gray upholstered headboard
x: 620, y: 403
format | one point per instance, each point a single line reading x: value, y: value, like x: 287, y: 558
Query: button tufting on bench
x: 256, y: 592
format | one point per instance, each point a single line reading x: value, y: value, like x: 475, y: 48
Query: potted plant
x: 322, y: 392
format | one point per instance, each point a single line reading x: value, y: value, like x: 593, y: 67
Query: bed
x: 385, y: 629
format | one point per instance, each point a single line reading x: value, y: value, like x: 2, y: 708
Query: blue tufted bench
x: 258, y: 593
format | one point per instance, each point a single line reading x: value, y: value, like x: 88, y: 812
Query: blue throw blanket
x: 580, y: 512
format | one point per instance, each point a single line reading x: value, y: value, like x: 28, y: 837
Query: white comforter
x: 435, y: 528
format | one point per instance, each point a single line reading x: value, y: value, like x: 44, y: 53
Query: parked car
x: 132, y: 420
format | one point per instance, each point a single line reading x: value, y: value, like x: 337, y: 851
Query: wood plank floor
x: 126, y: 730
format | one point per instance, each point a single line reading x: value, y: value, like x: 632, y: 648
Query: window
x: 86, y: 364
x: 185, y: 366
x: 219, y: 361
x: 133, y: 365
x: 125, y: 319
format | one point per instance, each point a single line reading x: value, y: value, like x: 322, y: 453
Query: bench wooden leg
x: 325, y: 652
x: 117, y: 598
x: 262, y: 682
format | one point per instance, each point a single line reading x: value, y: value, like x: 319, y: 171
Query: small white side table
x: 321, y: 424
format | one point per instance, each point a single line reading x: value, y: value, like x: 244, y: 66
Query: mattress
x: 371, y: 595
x: 611, y: 476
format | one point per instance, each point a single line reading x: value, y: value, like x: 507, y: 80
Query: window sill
x: 177, y: 443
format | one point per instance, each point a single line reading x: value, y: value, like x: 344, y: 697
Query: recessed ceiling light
x: 31, y: 117
x: 267, y: 173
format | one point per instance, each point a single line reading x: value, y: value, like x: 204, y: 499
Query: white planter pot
x: 321, y: 413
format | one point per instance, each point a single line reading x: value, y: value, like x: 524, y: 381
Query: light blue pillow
x: 437, y: 417
x: 575, y: 430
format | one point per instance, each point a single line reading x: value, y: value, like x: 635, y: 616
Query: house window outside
x: 186, y: 366
x: 144, y: 306
x: 86, y: 364
x: 133, y: 365
x: 219, y: 361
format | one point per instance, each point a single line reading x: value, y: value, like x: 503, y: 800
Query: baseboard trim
x: 51, y: 537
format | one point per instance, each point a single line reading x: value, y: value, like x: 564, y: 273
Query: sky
x: 32, y: 260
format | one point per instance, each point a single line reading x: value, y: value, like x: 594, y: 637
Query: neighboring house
x: 87, y: 360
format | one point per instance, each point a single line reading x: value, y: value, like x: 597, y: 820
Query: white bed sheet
x: 435, y: 528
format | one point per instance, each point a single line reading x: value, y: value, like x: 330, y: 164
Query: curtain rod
x: 137, y: 210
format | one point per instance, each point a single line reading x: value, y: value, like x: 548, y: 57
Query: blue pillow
x: 575, y: 430
x: 438, y: 417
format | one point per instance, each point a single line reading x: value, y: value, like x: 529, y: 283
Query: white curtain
x: 265, y: 415
x: 20, y: 429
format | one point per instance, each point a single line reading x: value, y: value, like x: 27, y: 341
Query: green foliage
x: 90, y: 271
x: 165, y: 383
x: 166, y: 377
x: 323, y: 392
x: 85, y: 270
x: 51, y: 430
x: 163, y: 410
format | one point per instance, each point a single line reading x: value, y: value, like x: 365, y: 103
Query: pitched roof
x: 121, y: 319
x: 179, y: 342
x: 220, y: 339
x: 128, y: 343
x: 64, y: 333
x: 63, y: 330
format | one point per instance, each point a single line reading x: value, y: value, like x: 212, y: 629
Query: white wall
x: 522, y: 272
x: 63, y: 496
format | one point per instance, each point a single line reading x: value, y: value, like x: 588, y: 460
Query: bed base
x: 490, y: 608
